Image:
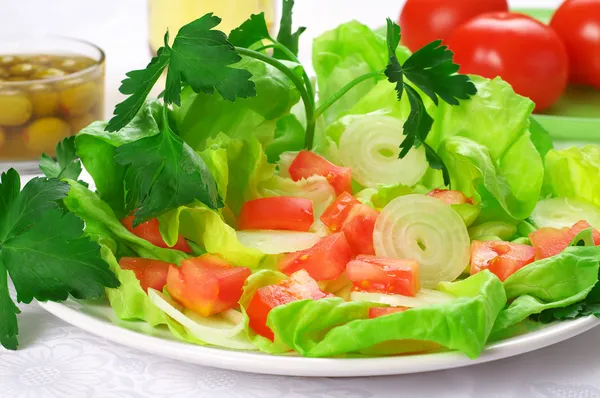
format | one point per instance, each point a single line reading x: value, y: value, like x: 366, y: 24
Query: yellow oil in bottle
x: 173, y: 14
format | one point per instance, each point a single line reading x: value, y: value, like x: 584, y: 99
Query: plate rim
x: 282, y: 365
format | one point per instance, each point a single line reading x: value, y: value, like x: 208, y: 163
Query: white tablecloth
x: 58, y: 360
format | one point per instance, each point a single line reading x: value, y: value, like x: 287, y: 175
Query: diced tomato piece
x: 502, y: 258
x: 307, y: 164
x: 151, y: 273
x: 150, y: 232
x: 279, y: 212
x: 549, y: 242
x: 326, y: 260
x: 384, y: 275
x: 300, y: 286
x: 207, y: 284
x: 450, y: 197
x: 358, y: 228
x: 376, y: 312
x: 337, y: 212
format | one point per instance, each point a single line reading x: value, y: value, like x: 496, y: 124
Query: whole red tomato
x: 577, y: 22
x: 423, y: 21
x: 526, y: 53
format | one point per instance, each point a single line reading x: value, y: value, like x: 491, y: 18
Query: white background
x: 57, y: 360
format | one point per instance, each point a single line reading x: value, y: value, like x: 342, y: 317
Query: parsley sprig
x: 44, y: 250
x: 204, y: 59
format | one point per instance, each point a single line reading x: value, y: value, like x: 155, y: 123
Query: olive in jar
x: 78, y: 97
x: 45, y: 101
x: 15, y: 108
x: 43, y: 134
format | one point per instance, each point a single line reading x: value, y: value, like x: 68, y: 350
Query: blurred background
x: 121, y: 27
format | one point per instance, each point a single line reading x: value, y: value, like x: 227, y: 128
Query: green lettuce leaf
x: 343, y: 54
x: 332, y: 326
x: 573, y: 173
x: 244, y: 118
x: 207, y: 228
x: 554, y: 282
x: 101, y: 221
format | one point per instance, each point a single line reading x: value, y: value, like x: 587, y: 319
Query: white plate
x: 99, y: 319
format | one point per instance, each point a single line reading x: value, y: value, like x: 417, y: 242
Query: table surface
x: 59, y: 360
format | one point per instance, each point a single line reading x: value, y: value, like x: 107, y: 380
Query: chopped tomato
x: 336, y: 213
x: 376, y: 312
x: 326, y: 260
x: 450, y: 197
x: 384, y: 275
x: 502, y: 258
x: 279, y: 212
x: 359, y: 227
x: 307, y: 164
x: 151, y: 273
x: 150, y: 232
x: 300, y: 286
x: 549, y: 242
x: 207, y: 284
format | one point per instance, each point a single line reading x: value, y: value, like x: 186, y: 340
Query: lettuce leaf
x: 554, y: 282
x: 207, y: 228
x: 486, y: 145
x: 343, y: 54
x: 573, y: 173
x: 332, y: 326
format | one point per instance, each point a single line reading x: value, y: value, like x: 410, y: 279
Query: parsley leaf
x: 44, y: 250
x: 9, y: 328
x: 285, y: 35
x: 251, y: 31
x: 163, y: 173
x: 67, y: 165
x: 431, y: 70
x: 201, y: 57
x: 138, y: 85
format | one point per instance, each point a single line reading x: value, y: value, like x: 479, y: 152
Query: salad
x: 390, y: 206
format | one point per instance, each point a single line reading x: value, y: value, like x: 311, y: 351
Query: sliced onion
x: 276, y: 242
x: 370, y: 147
x: 217, y: 329
x: 285, y: 161
x: 425, y: 229
x: 423, y: 298
x: 564, y: 212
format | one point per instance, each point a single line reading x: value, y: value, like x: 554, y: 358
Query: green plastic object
x: 575, y: 118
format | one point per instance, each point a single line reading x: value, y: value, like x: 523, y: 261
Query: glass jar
x: 173, y: 15
x: 50, y: 88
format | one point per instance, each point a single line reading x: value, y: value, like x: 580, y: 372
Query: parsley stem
x: 333, y: 99
x: 304, y: 93
x: 294, y: 58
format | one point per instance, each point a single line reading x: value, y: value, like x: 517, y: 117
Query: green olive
x: 24, y: 69
x: 78, y: 123
x: 74, y: 64
x: 15, y: 108
x: 8, y: 60
x: 78, y: 99
x: 45, y: 101
x: 41, y: 59
x: 43, y: 134
x: 47, y: 73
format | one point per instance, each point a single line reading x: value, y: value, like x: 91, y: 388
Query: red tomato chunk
x: 384, y: 275
x: 279, y: 213
x: 450, y: 197
x: 308, y: 164
x: 150, y: 232
x: 502, y: 258
x: 151, y: 273
x: 359, y: 227
x: 326, y: 260
x: 337, y: 212
x: 376, y: 312
x: 207, y: 284
x: 300, y: 286
x: 549, y: 242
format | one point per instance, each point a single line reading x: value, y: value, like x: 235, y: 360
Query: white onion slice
x: 370, y: 147
x: 423, y: 298
x: 425, y: 229
x: 276, y: 242
x: 217, y: 329
x: 564, y: 212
